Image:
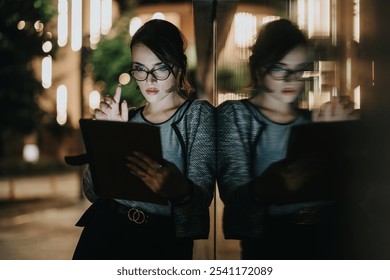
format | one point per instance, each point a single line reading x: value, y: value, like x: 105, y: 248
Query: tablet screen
x: 108, y: 143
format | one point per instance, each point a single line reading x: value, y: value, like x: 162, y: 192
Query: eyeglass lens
x: 283, y: 74
x: 161, y: 73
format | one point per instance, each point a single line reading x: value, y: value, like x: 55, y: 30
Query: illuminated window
x: 94, y: 21
x: 348, y: 72
x: 356, y: 20
x: 62, y: 100
x: 244, y: 29
x: 77, y: 35
x: 314, y: 16
x: 268, y: 19
x: 356, y: 97
x: 62, y: 26
x: 46, y: 71
x: 106, y: 16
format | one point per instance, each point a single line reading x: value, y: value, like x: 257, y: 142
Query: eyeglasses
x: 141, y: 74
x: 279, y: 74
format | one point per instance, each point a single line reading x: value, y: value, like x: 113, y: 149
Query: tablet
x: 333, y: 139
x: 108, y: 143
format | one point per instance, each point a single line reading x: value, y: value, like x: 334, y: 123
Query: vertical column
x: 374, y: 53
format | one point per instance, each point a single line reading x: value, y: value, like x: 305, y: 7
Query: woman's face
x: 284, y: 78
x: 154, y: 90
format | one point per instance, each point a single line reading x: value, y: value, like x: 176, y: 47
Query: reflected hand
x: 340, y: 108
x: 297, y: 174
x: 109, y: 108
x: 165, y: 179
x: 304, y: 179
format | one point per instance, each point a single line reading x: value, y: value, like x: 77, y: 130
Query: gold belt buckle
x: 137, y: 216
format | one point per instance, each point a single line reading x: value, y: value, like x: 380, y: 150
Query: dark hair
x: 273, y: 42
x: 166, y: 41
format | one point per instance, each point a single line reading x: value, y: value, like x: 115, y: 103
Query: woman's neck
x: 158, y: 112
x: 274, y: 109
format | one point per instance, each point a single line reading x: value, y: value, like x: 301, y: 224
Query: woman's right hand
x: 339, y: 108
x: 110, y: 110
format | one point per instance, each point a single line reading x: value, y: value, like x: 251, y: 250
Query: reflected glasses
x: 141, y: 74
x: 279, y: 74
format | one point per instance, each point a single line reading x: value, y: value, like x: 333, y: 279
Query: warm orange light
x: 38, y: 25
x: 135, y: 24
x: 47, y: 46
x: 94, y: 99
x: 158, y: 15
x: 124, y: 78
x: 21, y: 24
x: 31, y: 153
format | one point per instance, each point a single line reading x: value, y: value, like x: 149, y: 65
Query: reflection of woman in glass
x: 252, y: 139
x: 123, y: 229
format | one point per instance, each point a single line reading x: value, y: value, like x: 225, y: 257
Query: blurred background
x: 58, y: 57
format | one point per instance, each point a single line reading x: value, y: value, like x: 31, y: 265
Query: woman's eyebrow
x: 280, y: 64
x: 297, y: 67
x: 156, y: 64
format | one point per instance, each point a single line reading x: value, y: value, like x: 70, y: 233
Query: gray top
x: 272, y: 146
x: 244, y: 138
x: 171, y: 151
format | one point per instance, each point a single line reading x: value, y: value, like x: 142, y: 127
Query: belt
x: 305, y: 216
x: 138, y: 216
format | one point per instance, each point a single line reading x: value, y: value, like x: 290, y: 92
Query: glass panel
x: 335, y: 32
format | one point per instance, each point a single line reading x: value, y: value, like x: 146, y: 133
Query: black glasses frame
x: 151, y: 72
x: 289, y: 74
x: 292, y: 74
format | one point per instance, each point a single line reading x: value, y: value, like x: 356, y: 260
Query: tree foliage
x: 110, y: 60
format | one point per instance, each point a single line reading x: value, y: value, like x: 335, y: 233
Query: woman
x: 252, y: 141
x: 187, y: 175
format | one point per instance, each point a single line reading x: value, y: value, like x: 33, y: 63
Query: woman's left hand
x: 164, y: 179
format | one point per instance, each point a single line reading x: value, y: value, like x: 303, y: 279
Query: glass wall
x: 346, y: 37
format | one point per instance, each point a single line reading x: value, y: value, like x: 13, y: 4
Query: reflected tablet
x: 108, y: 143
x: 332, y: 139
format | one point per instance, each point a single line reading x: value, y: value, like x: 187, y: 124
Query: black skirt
x: 113, y: 231
x: 308, y: 234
